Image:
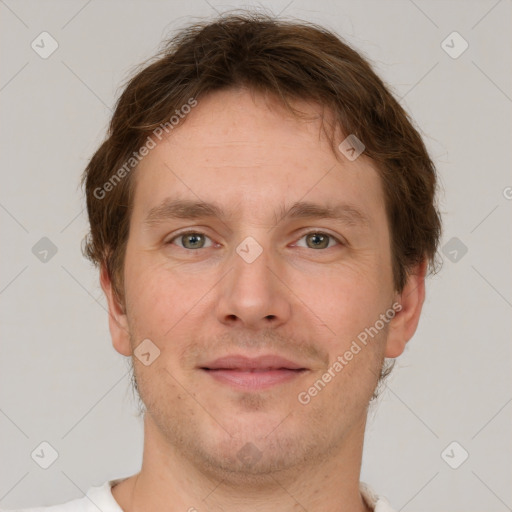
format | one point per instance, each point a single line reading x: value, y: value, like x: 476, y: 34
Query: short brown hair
x: 290, y: 61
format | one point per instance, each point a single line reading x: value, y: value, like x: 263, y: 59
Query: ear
x: 404, y: 323
x: 117, y: 320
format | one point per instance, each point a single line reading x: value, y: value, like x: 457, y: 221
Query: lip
x: 264, y: 362
x: 253, y: 373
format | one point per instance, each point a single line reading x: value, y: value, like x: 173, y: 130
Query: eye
x: 196, y: 240
x: 191, y: 240
x: 319, y: 240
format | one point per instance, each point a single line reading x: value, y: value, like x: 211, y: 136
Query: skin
x: 248, y: 155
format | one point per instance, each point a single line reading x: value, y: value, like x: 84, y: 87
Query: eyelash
x: 316, y: 232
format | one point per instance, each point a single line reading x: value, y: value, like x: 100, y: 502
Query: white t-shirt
x: 100, y: 498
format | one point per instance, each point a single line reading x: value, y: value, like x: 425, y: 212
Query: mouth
x: 252, y: 374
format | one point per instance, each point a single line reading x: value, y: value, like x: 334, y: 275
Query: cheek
x: 349, y: 303
x: 164, y: 304
x: 347, y: 295
x: 153, y: 301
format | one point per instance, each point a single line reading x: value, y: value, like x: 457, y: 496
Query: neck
x: 170, y: 481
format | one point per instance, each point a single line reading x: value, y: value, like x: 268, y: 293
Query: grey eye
x: 191, y: 240
x: 318, y: 240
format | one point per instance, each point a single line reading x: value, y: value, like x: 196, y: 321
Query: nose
x: 254, y: 294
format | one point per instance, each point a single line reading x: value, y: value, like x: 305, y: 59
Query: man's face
x: 314, y: 286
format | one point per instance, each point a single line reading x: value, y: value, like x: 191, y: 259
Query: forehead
x: 246, y: 150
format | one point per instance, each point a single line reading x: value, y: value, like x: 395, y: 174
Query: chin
x: 253, y: 448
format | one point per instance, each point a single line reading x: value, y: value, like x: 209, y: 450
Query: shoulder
x: 96, y: 498
x: 377, y: 503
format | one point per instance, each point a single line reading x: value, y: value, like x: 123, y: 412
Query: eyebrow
x: 190, y: 209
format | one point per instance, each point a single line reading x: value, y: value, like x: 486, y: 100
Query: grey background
x: 60, y: 379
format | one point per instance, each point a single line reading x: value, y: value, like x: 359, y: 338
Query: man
x: 263, y: 216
